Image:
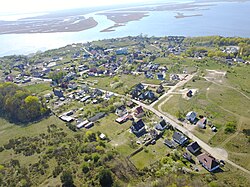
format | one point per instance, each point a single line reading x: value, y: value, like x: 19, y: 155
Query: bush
x: 95, y: 157
x: 85, y: 167
x: 1, y: 149
x: 230, y: 127
x: 57, y: 171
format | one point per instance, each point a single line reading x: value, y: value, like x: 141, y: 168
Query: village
x: 115, y: 89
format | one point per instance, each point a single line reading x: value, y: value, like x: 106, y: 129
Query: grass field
x: 9, y: 130
x: 39, y: 88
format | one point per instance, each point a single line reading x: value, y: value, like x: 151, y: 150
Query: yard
x: 150, y: 154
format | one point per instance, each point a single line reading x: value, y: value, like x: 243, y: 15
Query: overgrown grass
x: 38, y: 88
x: 150, y: 154
x: 9, y: 130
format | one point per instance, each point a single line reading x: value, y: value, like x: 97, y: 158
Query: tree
x: 57, y: 76
x: 67, y: 179
x: 105, y: 178
x: 17, y: 104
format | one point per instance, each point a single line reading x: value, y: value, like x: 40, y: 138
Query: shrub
x: 95, y: 157
x: 85, y: 167
x: 230, y: 127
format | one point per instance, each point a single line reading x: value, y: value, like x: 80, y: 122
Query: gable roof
x: 135, y: 93
x: 193, y: 147
x: 208, y: 161
x: 161, y: 125
x: 138, y: 127
x: 97, y: 117
x: 139, y: 110
x: 139, y: 86
x: 179, y: 137
x: 149, y: 94
x: 160, y: 89
x: 170, y: 143
x: 202, y: 122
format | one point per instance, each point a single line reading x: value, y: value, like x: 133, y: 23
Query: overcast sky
x: 32, y: 6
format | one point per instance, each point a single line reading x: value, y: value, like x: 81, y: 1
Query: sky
x: 35, y: 6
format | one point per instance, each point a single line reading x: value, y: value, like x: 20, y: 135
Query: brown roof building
x: 208, y: 162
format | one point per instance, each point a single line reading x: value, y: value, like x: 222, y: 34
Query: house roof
x: 160, y: 89
x: 202, y: 122
x: 135, y: 92
x: 140, y: 86
x: 190, y: 114
x: 149, y: 94
x: 138, y: 125
x: 97, y: 92
x: 139, y: 110
x: 193, y: 147
x: 67, y: 118
x: 170, y: 143
x: 58, y: 93
x: 97, y: 117
x: 130, y: 103
x: 161, y: 125
x: 102, y: 136
x: 208, y: 161
x: 179, y: 137
x: 82, y: 124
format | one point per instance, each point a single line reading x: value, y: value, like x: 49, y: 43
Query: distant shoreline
x: 50, y: 26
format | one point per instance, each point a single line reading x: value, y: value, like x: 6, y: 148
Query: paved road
x: 87, y: 51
